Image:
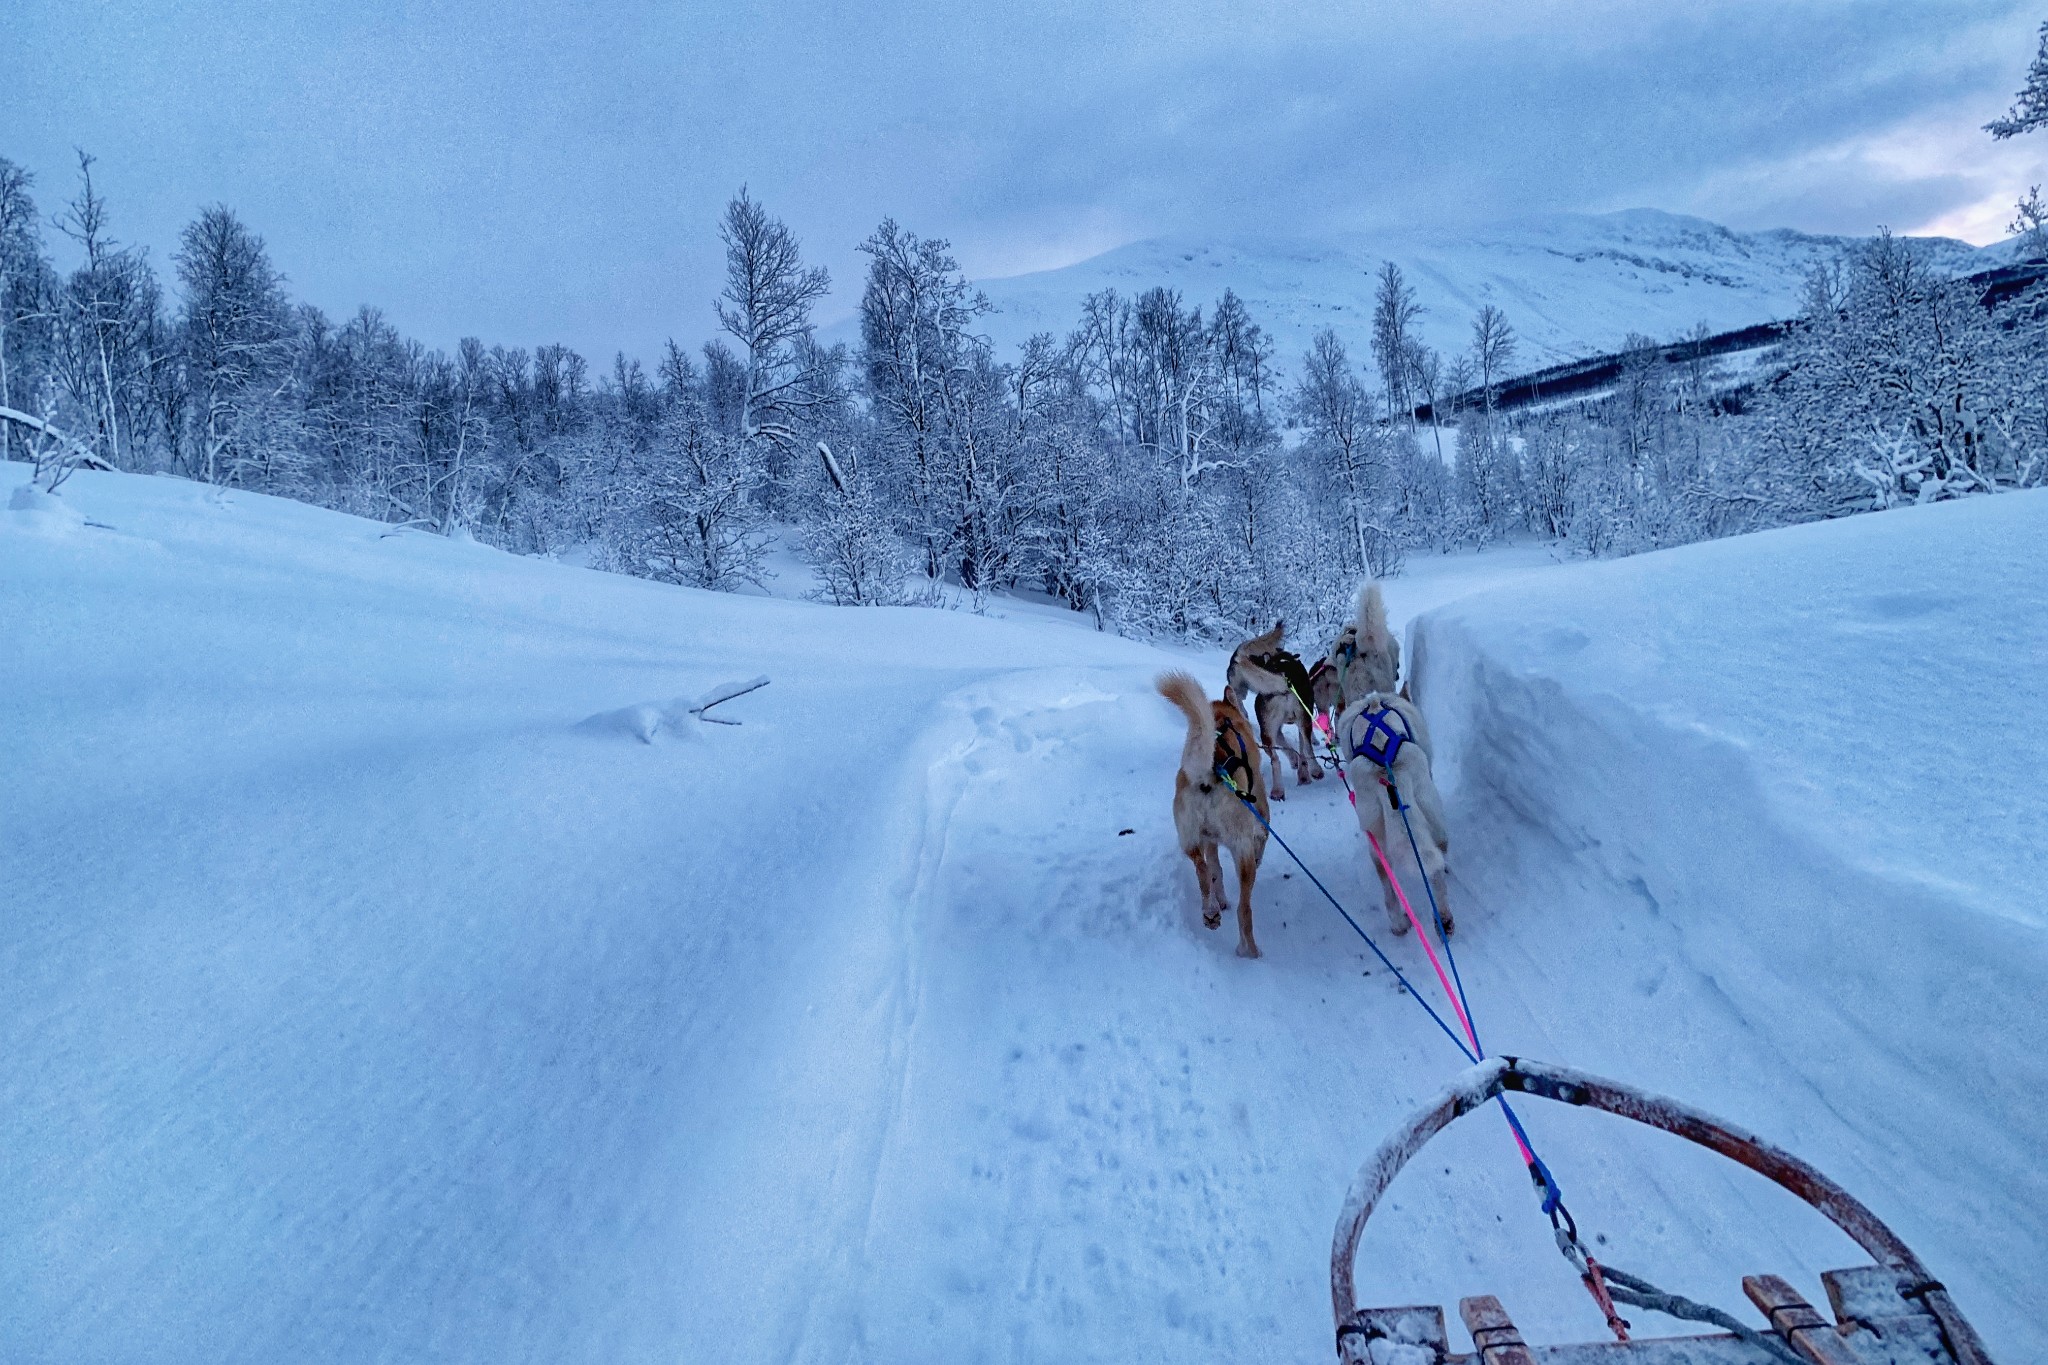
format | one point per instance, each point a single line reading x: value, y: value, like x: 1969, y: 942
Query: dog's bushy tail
x: 1184, y: 691
x: 1370, y: 618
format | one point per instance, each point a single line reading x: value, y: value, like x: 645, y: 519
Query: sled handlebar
x: 1484, y: 1082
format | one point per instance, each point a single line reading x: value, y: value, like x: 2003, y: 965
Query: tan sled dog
x: 1205, y: 812
x: 1362, y: 733
x: 1273, y: 676
x: 1366, y: 657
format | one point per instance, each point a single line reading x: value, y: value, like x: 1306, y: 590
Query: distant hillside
x: 1572, y: 285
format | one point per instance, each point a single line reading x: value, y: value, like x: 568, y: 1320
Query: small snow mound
x: 645, y: 722
x: 649, y: 719
x: 46, y: 513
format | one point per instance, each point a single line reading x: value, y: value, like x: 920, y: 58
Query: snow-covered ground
x: 1572, y: 285
x: 370, y: 990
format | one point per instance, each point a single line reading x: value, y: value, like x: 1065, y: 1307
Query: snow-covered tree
x: 1394, y: 312
x: 2030, y: 107
x: 27, y: 296
x: 699, y: 522
x: 1245, y: 377
x: 766, y: 308
x: 1173, y: 363
x: 1426, y: 385
x: 1345, y: 450
x: 235, y: 344
x: 940, y: 409
x: 1892, y: 386
x: 1487, y: 473
x: 851, y: 541
x: 2030, y: 224
x: 107, y: 319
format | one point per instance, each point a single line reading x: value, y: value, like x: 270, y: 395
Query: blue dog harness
x: 1378, y: 734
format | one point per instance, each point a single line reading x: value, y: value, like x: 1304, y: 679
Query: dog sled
x: 1889, y: 1312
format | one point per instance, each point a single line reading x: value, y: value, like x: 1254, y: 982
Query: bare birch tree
x: 766, y: 309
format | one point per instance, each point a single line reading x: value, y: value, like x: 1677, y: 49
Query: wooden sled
x: 1890, y: 1312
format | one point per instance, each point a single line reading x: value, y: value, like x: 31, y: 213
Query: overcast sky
x: 529, y: 172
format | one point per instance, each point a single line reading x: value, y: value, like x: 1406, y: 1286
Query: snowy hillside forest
x: 1160, y: 466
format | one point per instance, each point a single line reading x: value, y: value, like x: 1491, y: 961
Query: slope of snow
x: 1572, y: 285
x: 374, y: 989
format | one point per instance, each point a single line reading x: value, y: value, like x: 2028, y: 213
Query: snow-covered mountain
x: 1572, y: 285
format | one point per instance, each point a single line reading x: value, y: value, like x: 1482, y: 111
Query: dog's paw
x: 1248, y: 950
x: 1397, y: 925
x: 1279, y: 793
x: 1212, y: 919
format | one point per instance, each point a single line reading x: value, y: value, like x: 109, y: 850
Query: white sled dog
x: 1366, y: 657
x: 1273, y: 676
x: 1412, y: 778
x: 1205, y: 812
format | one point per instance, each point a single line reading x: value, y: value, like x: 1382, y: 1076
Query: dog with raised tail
x: 1367, y: 656
x: 1206, y: 813
x: 1280, y: 690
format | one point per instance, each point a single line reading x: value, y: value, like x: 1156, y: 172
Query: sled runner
x: 1887, y: 1313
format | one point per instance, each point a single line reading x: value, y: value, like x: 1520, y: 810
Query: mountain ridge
x: 1572, y: 285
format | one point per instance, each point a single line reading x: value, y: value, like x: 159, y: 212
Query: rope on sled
x: 1640, y: 1293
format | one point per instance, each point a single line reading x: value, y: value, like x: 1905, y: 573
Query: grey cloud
x: 535, y: 172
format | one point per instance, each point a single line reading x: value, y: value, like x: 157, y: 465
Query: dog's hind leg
x: 1390, y: 890
x: 1435, y: 842
x: 1306, y: 769
x: 1397, y: 923
x: 1211, y: 891
x: 1271, y: 739
x: 1439, y: 882
x: 1247, y: 873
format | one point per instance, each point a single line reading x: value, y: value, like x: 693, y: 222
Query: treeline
x: 1896, y: 385
x: 1156, y: 467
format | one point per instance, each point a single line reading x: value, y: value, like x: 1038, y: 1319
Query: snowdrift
x: 389, y: 970
x: 1804, y: 768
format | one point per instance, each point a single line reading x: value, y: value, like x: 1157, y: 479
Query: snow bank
x: 1807, y: 765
